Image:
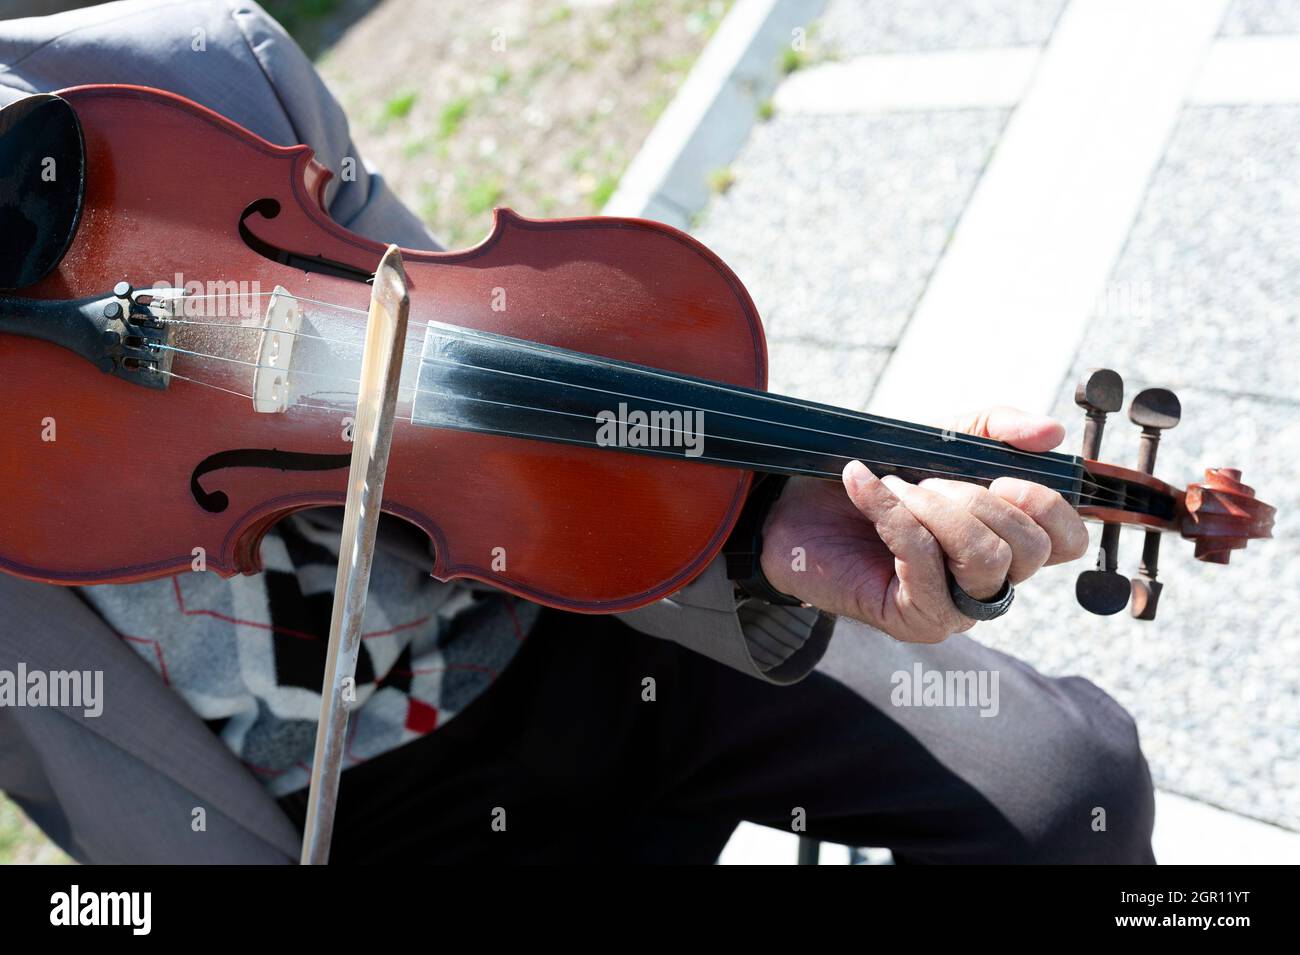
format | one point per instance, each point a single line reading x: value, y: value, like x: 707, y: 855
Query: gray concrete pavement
x: 854, y: 27
x: 1260, y: 17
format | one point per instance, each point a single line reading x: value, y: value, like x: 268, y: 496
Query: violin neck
x: 480, y: 381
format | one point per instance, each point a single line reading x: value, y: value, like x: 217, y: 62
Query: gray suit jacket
x: 124, y: 786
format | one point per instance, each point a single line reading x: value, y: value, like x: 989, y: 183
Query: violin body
x: 103, y: 480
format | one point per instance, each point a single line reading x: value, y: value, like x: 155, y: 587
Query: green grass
x: 399, y: 106
x: 720, y: 180
x: 452, y: 115
x: 604, y: 189
x: 482, y: 196
x: 561, y: 14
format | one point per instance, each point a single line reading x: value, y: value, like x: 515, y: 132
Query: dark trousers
x: 564, y: 759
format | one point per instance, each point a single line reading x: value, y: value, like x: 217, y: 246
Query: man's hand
x: 880, y: 552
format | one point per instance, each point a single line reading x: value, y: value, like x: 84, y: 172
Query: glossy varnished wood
x: 583, y: 529
x: 1219, y: 515
x: 1114, y: 515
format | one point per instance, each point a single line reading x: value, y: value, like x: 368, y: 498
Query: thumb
x: 1029, y: 432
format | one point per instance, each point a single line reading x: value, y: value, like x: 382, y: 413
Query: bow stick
x: 381, y: 367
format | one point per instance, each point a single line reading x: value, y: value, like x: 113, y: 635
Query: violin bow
x: 381, y: 366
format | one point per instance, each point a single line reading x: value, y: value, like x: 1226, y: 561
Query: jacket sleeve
x: 778, y: 644
x: 228, y: 56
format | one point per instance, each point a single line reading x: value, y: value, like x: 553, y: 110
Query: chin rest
x: 42, y: 184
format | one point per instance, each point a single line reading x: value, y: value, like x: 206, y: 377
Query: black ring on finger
x: 976, y: 609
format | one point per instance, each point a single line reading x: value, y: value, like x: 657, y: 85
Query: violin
x: 581, y: 406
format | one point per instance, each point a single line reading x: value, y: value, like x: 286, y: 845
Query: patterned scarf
x: 248, y: 654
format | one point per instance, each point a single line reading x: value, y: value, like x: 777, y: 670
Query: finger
x: 918, y: 560
x: 1029, y: 432
x: 1049, y: 511
x: 978, y: 558
x: 1030, y: 544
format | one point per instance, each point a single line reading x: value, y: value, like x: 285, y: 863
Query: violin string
x: 833, y: 434
x: 470, y: 335
x: 749, y: 465
x: 418, y: 392
x: 467, y: 335
x: 1082, y: 497
x: 238, y: 295
x: 206, y: 384
x: 1083, y: 479
x: 761, y: 444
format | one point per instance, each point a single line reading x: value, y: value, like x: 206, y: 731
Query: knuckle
x: 1035, y: 500
x: 961, y: 492
x: 1038, y: 548
x: 1038, y: 501
x: 1002, y: 556
x: 926, y: 543
x: 987, y: 554
x: 1077, y: 538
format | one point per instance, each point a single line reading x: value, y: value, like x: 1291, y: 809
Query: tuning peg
x: 1104, y: 590
x: 1099, y: 393
x: 1154, y: 410
x: 1100, y: 591
x: 1146, y: 589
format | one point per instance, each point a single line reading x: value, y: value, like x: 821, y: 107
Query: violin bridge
x: 275, y: 350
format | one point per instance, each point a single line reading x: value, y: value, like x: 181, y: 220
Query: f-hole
x: 270, y: 208
x: 214, y: 502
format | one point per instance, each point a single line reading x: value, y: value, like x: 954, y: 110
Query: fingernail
x: 857, y: 474
x: 1044, y: 428
x: 1043, y: 421
x: 894, y: 483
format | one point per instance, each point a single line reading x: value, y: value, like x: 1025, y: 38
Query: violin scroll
x: 1222, y: 515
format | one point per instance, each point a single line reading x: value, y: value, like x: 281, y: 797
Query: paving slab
x: 856, y: 27
x: 813, y: 371
x: 1207, y: 290
x: 834, y: 223
x: 1247, y: 17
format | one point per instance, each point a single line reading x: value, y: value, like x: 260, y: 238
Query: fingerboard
x: 478, y: 381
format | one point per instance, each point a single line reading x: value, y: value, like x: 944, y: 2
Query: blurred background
x: 936, y: 204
